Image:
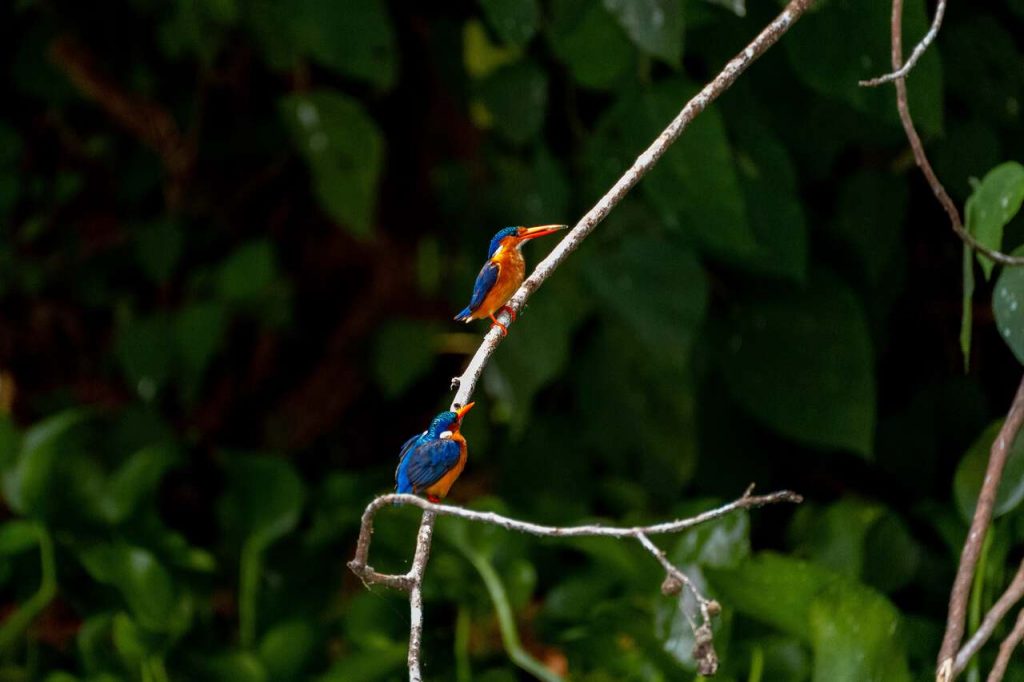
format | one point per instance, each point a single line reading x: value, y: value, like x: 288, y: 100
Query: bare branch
x: 960, y: 594
x: 1011, y: 642
x: 769, y: 36
x: 921, y: 158
x: 1013, y: 594
x: 419, y: 567
x: 412, y: 581
x: 929, y: 37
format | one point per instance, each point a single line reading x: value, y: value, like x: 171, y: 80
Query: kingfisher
x: 430, y: 461
x: 502, y: 274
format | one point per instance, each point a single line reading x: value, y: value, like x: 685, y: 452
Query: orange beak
x: 461, y: 412
x: 543, y: 230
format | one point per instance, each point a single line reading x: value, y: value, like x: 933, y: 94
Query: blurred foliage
x: 232, y: 236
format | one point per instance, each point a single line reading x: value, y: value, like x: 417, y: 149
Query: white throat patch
x: 446, y: 434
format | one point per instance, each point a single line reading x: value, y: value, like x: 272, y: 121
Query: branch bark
x: 919, y: 49
x: 1011, y: 642
x: 412, y: 581
x: 466, y: 383
x: 1013, y: 594
x: 960, y: 594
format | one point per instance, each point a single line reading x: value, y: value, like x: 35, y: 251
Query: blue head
x: 516, y: 236
x: 448, y: 421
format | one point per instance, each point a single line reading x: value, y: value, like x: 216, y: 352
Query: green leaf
x: 264, y: 497
x: 967, y: 315
x: 158, y: 248
x: 1008, y: 307
x: 355, y: 37
x: 403, y: 352
x: 17, y: 537
x: 238, y: 667
x: 141, y: 579
x: 514, y: 20
x: 853, y: 630
x: 344, y: 151
x: 852, y: 633
x: 248, y: 272
x: 802, y: 363
x: 137, y: 479
x: 835, y: 537
x: 659, y: 290
x: 992, y: 205
x: 286, y: 648
x: 971, y: 472
x: 695, y: 186
x: 737, y: 7
x: 516, y: 97
x: 199, y: 330
x: 27, y: 485
x: 587, y: 39
x: 892, y: 556
x: 655, y: 26
x: 834, y: 67
x: 145, y: 349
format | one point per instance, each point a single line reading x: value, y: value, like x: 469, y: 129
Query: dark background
x: 233, y: 234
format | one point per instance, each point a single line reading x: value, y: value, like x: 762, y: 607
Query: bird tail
x: 464, y: 315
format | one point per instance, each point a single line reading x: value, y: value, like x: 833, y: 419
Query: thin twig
x: 920, y: 49
x: 921, y: 158
x: 1013, y: 594
x: 1011, y: 642
x: 960, y: 594
x: 769, y: 36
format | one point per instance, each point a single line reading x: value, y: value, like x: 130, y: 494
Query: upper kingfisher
x: 502, y: 274
x: 430, y: 462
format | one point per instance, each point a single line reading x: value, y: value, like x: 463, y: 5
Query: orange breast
x: 443, y: 484
x: 510, y: 276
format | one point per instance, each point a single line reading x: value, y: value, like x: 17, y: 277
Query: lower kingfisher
x: 502, y: 274
x: 430, y: 462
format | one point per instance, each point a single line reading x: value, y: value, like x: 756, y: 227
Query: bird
x: 502, y: 274
x: 430, y: 462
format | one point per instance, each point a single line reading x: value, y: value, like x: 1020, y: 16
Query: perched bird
x: 431, y: 461
x: 502, y: 273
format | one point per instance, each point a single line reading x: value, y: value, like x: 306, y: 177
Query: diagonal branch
x: 960, y: 594
x: 918, y: 148
x: 1006, y: 649
x: 1013, y: 594
x: 769, y: 36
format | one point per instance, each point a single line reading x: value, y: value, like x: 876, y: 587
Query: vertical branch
x: 419, y: 567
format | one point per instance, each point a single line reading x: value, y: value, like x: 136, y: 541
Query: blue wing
x: 484, y: 283
x: 402, y: 484
x: 426, y: 463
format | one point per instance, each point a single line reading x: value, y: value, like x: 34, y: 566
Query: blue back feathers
x: 496, y: 240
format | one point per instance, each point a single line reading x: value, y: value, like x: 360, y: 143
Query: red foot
x: 499, y: 325
x: 434, y: 499
x: 508, y: 309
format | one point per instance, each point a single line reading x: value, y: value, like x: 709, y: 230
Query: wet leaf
x: 655, y: 26
x: 514, y: 20
x: 992, y: 205
x: 344, y: 151
x: 802, y: 363
x: 971, y: 472
x: 1008, y: 307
